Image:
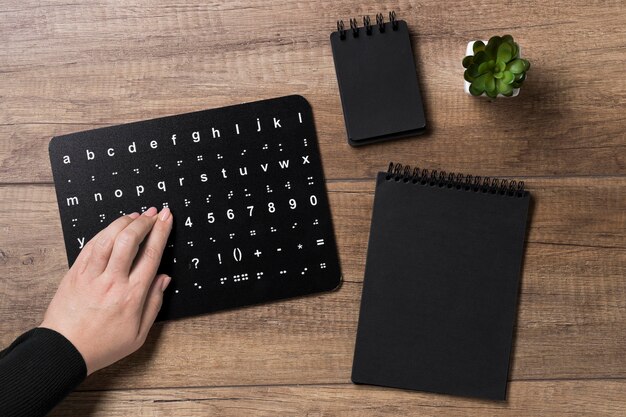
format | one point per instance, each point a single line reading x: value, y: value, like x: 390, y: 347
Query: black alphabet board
x: 245, y: 185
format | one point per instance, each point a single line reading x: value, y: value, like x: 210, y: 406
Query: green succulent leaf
x: 493, y: 93
x: 505, y: 53
x: 479, y: 82
x: 526, y: 64
x: 475, y: 91
x: 498, y: 75
x: 480, y: 57
x: 507, y: 77
x: 467, y: 61
x: 492, y: 47
x: 515, y: 51
x: 472, y: 70
x: 490, y: 83
x: 507, y: 38
x: 500, y: 66
x: 467, y: 76
x: 503, y: 87
x: 478, y: 46
x: 509, y: 94
x: 516, y: 67
x: 484, y: 68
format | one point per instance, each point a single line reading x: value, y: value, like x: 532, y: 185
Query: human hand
x: 110, y: 297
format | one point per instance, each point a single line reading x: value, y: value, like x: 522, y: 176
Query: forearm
x: 37, y: 371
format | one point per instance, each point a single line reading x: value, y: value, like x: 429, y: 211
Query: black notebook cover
x: 246, y: 188
x: 441, y: 282
x: 378, y: 84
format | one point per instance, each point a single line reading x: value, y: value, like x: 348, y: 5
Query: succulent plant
x: 495, y: 68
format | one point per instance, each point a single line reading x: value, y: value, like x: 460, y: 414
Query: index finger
x: 128, y: 240
x: 149, y: 257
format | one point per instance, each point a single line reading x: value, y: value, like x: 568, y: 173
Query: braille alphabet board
x: 245, y: 184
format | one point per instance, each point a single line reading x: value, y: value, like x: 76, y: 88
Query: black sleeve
x: 37, y: 371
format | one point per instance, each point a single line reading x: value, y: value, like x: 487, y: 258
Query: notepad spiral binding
x: 367, y: 25
x: 459, y: 181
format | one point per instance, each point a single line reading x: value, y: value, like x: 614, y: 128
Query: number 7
x: 250, y: 208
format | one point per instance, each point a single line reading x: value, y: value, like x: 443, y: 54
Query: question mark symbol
x: 195, y: 262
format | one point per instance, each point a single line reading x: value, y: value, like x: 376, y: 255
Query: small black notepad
x: 378, y: 85
x: 441, y: 283
x: 245, y: 186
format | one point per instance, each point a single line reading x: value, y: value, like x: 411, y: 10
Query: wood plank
x: 573, y: 296
x: 72, y: 68
x: 536, y: 398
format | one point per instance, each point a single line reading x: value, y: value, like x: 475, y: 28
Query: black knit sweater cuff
x: 37, y: 371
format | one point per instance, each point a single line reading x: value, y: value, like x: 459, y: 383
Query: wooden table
x: 73, y: 66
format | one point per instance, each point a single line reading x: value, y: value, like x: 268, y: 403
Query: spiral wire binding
x: 367, y: 24
x: 392, y: 19
x: 459, y: 181
x: 341, y: 28
x: 380, y: 21
x: 354, y: 27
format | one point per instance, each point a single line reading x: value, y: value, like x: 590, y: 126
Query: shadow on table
x: 543, y: 103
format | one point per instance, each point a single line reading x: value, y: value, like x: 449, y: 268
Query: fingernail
x: 165, y: 214
x: 133, y: 215
x: 165, y: 282
x: 150, y: 212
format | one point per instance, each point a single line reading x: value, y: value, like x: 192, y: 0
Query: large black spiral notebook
x: 441, y: 283
x: 245, y: 185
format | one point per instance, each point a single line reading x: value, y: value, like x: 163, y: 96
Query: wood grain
x: 66, y: 67
x: 537, y: 398
x: 88, y: 67
x: 572, y: 295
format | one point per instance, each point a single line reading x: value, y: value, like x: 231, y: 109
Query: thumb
x: 154, y: 300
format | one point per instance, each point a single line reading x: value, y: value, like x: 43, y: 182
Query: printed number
x: 210, y: 217
x: 250, y: 208
x: 188, y: 222
x: 271, y: 208
x: 230, y: 214
x: 292, y: 203
x: 313, y: 200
